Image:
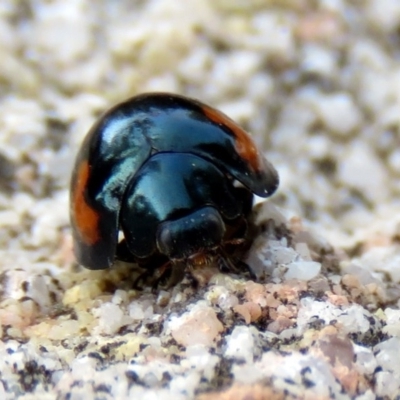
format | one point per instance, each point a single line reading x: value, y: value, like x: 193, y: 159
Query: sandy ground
x: 317, y: 83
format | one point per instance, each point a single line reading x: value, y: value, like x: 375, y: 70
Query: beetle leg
x: 193, y: 280
x: 176, y: 274
x: 228, y: 263
x: 151, y: 276
x: 162, y: 277
x: 235, y: 241
x: 245, y: 267
x: 142, y: 280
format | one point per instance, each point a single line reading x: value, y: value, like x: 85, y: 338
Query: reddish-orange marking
x: 243, y: 143
x: 86, y: 219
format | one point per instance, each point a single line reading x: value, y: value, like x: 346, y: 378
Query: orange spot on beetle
x: 86, y: 218
x: 243, y: 143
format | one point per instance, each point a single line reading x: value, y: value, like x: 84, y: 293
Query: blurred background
x: 317, y: 82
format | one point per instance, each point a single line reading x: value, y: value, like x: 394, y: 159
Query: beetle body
x: 163, y: 169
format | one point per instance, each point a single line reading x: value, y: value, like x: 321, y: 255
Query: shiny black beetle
x: 175, y: 175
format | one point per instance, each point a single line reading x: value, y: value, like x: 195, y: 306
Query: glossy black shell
x: 168, y: 187
x: 153, y: 161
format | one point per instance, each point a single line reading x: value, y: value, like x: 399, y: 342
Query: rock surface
x: 318, y: 85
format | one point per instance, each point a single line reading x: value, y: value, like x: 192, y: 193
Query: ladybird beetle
x: 176, y: 176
